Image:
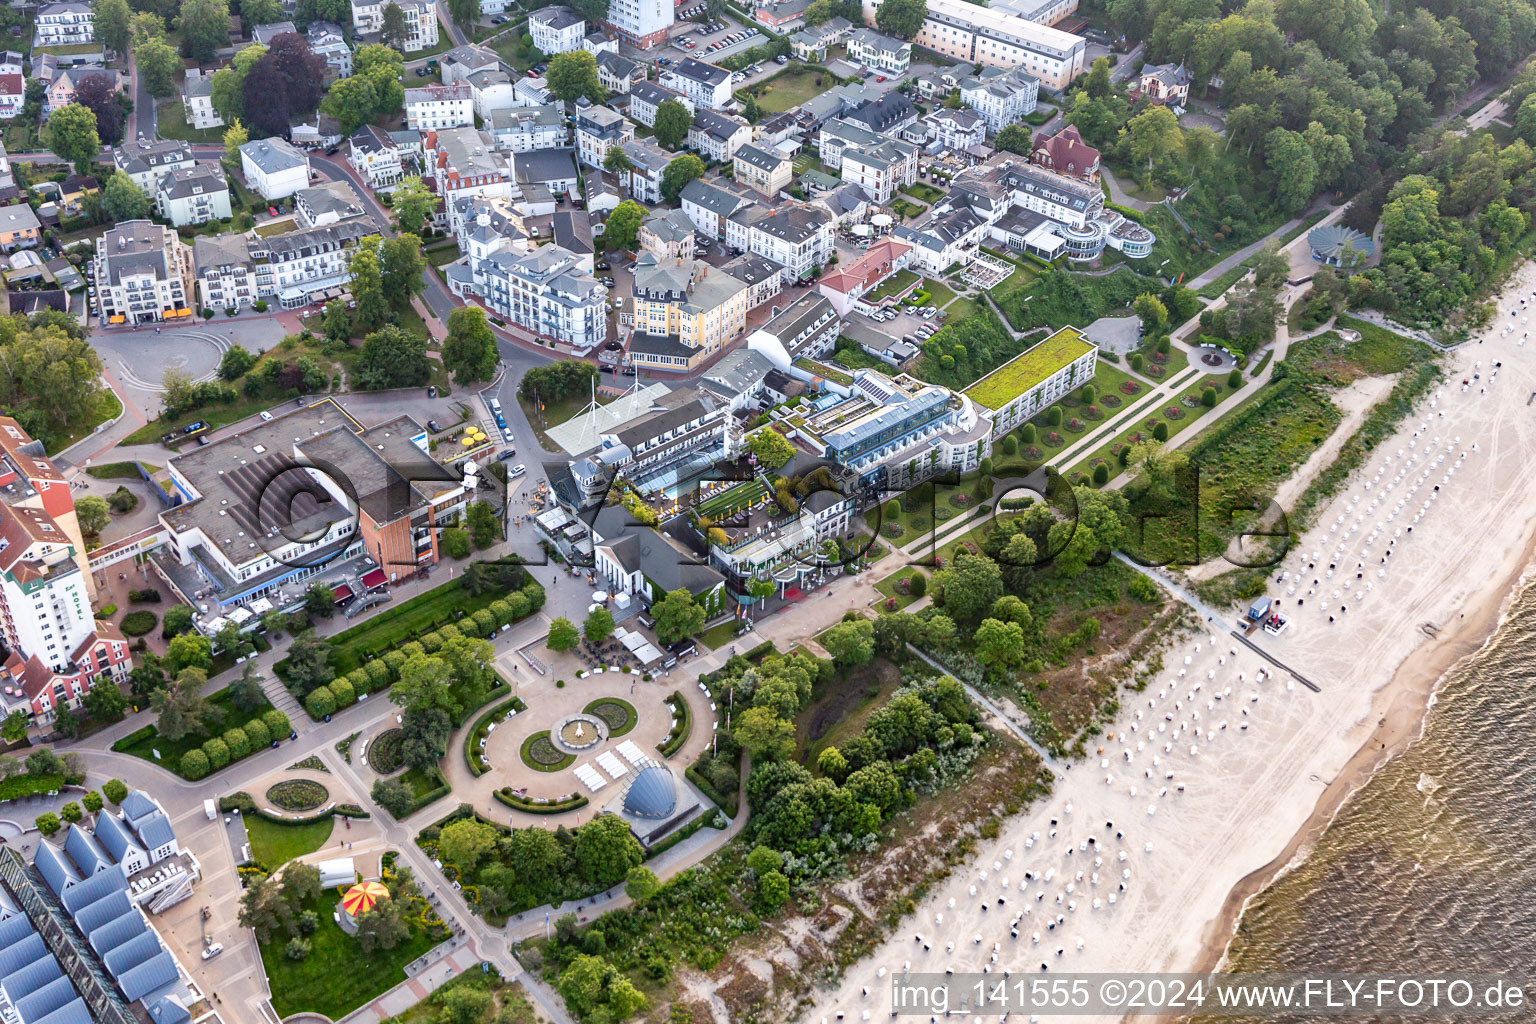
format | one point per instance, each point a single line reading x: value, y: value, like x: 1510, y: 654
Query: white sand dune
x: 1252, y: 797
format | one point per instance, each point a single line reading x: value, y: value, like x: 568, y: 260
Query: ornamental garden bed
x: 540, y: 753
x: 297, y: 794
x: 619, y: 715
x: 682, y: 724
x: 384, y: 753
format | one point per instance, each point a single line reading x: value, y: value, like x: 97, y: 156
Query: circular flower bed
x: 1173, y: 412
x: 942, y: 514
x: 968, y: 547
x: 298, y: 794
x: 384, y: 754
x: 1076, y: 425
x: 618, y: 715
x: 137, y: 623
x: 1031, y: 452
x: 540, y: 754
x: 1130, y: 387
x: 893, y: 529
x: 1053, y: 439
x: 1093, y: 412
x: 960, y: 500
x: 904, y: 585
x: 1154, y: 371
x: 919, y: 523
x: 1159, y: 357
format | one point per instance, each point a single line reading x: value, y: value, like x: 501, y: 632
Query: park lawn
x: 442, y: 255
x: 420, y: 614
x: 275, y: 844
x: 108, y: 407
x: 893, y: 285
x: 1143, y: 424
x: 172, y: 750
x: 215, y: 416
x: 923, y: 193
x: 887, y: 587
x: 171, y: 117
x: 716, y: 637
x: 961, y: 309
x: 120, y: 470
x: 276, y: 227
x: 939, y: 293
x: 790, y: 88
x: 551, y: 414
x: 337, y: 977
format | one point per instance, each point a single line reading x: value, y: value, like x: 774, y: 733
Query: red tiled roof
x: 1068, y: 152
x: 867, y: 269
x: 12, y: 85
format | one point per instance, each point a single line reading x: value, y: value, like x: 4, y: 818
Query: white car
x: 517, y: 470
x: 212, y: 951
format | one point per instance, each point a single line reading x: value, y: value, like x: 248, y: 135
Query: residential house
x: 599, y: 129
x: 572, y: 231
x: 142, y: 274
x: 647, y: 164
x: 667, y: 235
x: 264, y: 34
x: 274, y: 168
x: 708, y: 85
x: 328, y: 203
x: 376, y: 157
x: 886, y: 115
x: 327, y: 39
x: 551, y: 169
x: 597, y: 44
x: 794, y: 235
x: 19, y: 228
x: 685, y: 312
x: 145, y: 162
x: 462, y: 61
x: 997, y: 36
x: 1066, y: 153
x: 197, y: 101
x: 811, y: 44
x: 13, y: 94
x: 436, y: 107
x: 193, y: 195
x: 781, y: 15
x: 463, y: 162
x: 956, y: 130
x: 1164, y: 84
x: 544, y: 291
x: 878, y: 165
x: 523, y: 129
x: 556, y: 29
x: 641, y: 23
x: 716, y: 136
x: 806, y: 327
x: 1002, y: 97
x: 874, y: 50
x: 767, y: 171
x: 64, y: 24
x: 421, y: 26
x: 845, y: 285
x: 531, y: 92
x: 492, y: 90
x: 319, y: 132
x: 646, y: 97
x: 618, y: 74
x: 710, y: 206
x: 764, y: 278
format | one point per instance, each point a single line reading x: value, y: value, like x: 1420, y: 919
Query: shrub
x: 194, y: 764
x: 217, y: 752
x: 238, y: 741
x: 1053, y: 415
x: 1090, y: 394
x: 342, y: 692
x: 918, y: 585
x: 358, y: 678
x: 1137, y: 362
x: 394, y: 661
x: 485, y: 620
x: 139, y: 622
x: 378, y: 675
x: 257, y: 732
x: 277, y: 722
x: 320, y: 702
x: 1101, y: 474
x: 1160, y: 432
x: 433, y: 642
x: 1208, y: 398
x: 1027, y: 433
x: 1235, y: 379
x: 149, y: 595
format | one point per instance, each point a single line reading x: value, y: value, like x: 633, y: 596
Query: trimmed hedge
x: 521, y: 803
x: 729, y: 808
x: 18, y: 786
x: 478, y: 765
x: 679, y: 734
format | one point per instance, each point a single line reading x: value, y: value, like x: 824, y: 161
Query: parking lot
x: 703, y: 37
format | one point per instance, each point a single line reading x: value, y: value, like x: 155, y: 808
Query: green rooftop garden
x: 824, y: 371
x: 1029, y: 368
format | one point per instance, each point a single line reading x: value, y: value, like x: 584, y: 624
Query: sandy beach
x: 1211, y: 792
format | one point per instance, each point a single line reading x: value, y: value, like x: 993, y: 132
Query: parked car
x: 434, y: 426
x: 332, y: 151
x: 212, y: 951
x: 509, y: 453
x: 421, y: 72
x: 600, y: 266
x: 781, y: 59
x: 879, y: 78
x: 517, y: 470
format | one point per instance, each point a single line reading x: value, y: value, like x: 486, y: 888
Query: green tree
x: 562, y: 635
x: 464, y: 12
x: 999, y: 644
x: 765, y: 735
x: 605, y: 850
x: 204, y: 28
x: 145, y: 25
x: 393, y: 28
x: 115, y: 791
x: 412, y: 203
x: 367, y: 285
x: 337, y: 322
x: 573, y: 75
x: 237, y: 360
x: 181, y: 706
x: 309, y: 664
x: 773, y: 888
x: 189, y: 650
x: 616, y: 161
x: 48, y: 824
x: 677, y: 616
x: 71, y: 135
x: 466, y: 842
x: 122, y: 200
x: 393, y: 796
x: 671, y: 128
x: 157, y: 65
x: 353, y: 102
x: 92, y: 801
x: 771, y: 448
x: 463, y: 1005
x: 113, y: 20
x: 641, y: 883
x: 623, y: 226
x: 400, y: 268
x: 1208, y: 398
x: 260, y: 12
x: 484, y: 527
x: 850, y: 643
x: 1290, y: 159
x: 599, y: 625
x: 1155, y: 135
x: 750, y: 110
x: 245, y: 692
x: 92, y: 513
x: 71, y: 812
x: 469, y: 350
x: 105, y: 701
x: 901, y: 18
x: 235, y: 136
x: 1151, y: 310
x: 969, y: 586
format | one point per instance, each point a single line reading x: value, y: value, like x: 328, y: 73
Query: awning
x: 116, y: 319
x: 374, y: 580
x: 342, y: 592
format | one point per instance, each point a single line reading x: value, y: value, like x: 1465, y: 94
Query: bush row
x: 18, y: 786
x: 478, y: 765
x: 242, y: 741
x: 679, y: 734
x: 728, y: 806
x: 522, y: 803
x: 378, y: 674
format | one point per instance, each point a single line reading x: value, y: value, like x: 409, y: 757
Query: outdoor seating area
x: 987, y: 272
